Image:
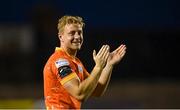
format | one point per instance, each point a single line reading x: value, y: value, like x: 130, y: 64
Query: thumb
x: 94, y: 54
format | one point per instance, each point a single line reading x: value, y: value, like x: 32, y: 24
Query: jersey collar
x: 61, y: 49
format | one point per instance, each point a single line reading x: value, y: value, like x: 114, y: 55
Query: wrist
x: 110, y: 65
x: 98, y: 67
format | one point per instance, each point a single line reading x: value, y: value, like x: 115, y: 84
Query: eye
x: 72, y: 32
x: 79, y: 32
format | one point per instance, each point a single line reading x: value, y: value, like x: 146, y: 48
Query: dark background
x: 149, y: 28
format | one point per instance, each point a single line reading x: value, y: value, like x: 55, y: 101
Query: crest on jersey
x: 80, y: 68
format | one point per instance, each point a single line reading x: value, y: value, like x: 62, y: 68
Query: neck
x: 70, y: 52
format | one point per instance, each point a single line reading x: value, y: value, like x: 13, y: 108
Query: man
x: 66, y: 81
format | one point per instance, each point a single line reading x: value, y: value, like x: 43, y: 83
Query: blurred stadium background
x: 148, y: 76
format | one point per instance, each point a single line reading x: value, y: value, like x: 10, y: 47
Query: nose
x: 77, y: 36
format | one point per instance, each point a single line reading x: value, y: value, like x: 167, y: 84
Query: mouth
x: 76, y: 42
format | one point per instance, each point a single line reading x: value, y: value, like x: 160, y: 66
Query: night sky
x: 127, y: 13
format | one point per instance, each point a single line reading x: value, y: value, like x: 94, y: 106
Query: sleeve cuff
x: 68, y: 78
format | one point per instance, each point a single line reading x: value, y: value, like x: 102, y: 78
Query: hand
x: 102, y: 56
x: 116, y: 56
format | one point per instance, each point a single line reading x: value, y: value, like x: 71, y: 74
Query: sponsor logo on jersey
x: 61, y: 62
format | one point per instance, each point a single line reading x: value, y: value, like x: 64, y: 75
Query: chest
x: 78, y: 68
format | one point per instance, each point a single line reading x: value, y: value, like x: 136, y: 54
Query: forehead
x: 74, y: 27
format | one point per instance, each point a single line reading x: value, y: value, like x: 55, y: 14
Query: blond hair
x: 69, y: 20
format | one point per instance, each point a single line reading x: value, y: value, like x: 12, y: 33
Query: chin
x: 76, y: 48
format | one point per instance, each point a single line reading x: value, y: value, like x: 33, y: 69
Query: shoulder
x: 55, y: 59
x: 59, y: 62
x: 55, y: 56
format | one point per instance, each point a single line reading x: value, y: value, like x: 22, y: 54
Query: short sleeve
x: 65, y: 71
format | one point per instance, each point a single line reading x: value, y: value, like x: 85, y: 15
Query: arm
x: 82, y: 90
x: 114, y: 58
x: 103, y: 81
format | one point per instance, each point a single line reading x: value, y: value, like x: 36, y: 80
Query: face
x: 72, y: 36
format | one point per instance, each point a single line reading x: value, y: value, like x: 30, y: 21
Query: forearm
x: 103, y: 81
x: 87, y: 87
x: 106, y: 74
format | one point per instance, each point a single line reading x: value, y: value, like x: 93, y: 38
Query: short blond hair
x: 67, y: 19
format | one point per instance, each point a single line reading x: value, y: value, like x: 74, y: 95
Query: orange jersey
x: 59, y: 69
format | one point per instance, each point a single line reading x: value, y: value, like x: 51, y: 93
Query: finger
x: 100, y: 54
x: 118, y: 48
x: 107, y: 55
x: 106, y: 51
x: 122, y: 53
x: 101, y: 49
x: 94, y: 54
x: 121, y: 49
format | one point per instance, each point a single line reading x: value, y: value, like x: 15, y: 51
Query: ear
x: 60, y: 37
